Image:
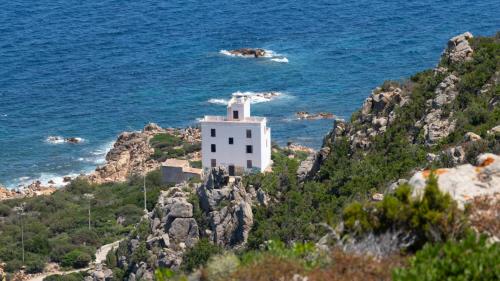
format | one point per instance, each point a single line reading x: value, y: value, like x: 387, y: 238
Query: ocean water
x: 92, y: 69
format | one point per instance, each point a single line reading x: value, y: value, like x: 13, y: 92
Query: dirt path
x: 100, y: 256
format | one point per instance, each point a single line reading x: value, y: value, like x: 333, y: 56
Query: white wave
x: 283, y: 60
x: 227, y: 53
x: 46, y: 179
x: 218, y: 101
x: 99, y: 154
x: 269, y: 54
x: 5, y: 115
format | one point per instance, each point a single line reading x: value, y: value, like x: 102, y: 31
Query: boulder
x: 470, y: 136
x: 184, y: 230
x: 464, y: 182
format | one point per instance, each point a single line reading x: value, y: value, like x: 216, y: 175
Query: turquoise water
x: 93, y: 69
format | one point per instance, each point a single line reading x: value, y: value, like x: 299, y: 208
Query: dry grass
x: 343, y: 266
x: 269, y: 268
x: 356, y: 268
x: 484, y: 215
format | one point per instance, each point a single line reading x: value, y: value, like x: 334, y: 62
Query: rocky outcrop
x: 228, y: 207
x: 464, y: 182
x: 34, y: 189
x: 248, y: 52
x: 376, y: 114
x: 170, y: 230
x: 458, y: 49
x: 438, y: 124
x: 131, y: 154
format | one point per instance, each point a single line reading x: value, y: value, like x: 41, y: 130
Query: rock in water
x: 304, y: 115
x: 248, y: 52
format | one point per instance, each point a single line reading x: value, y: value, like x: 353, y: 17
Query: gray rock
x: 262, y: 197
x: 184, y: 230
x: 458, y: 49
x: 181, y: 210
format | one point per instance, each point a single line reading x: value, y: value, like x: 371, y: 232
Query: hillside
x: 405, y: 185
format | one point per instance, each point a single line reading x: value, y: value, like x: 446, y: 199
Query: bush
x: 76, y: 259
x: 199, y: 254
x: 470, y: 259
x: 35, y: 264
x: 76, y: 276
x: 220, y: 267
x: 432, y: 218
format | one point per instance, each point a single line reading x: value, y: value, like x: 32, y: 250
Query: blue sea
x: 92, y: 69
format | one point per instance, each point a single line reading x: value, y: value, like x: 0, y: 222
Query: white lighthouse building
x: 238, y: 141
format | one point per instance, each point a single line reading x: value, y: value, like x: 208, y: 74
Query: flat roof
x: 251, y: 119
x: 172, y: 162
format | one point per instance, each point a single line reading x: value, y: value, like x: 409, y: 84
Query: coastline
x: 129, y: 155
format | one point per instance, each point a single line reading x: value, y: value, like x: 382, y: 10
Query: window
x: 213, y: 163
x: 212, y: 132
x: 212, y: 147
x: 249, y: 149
x: 249, y: 134
x: 235, y: 114
x: 249, y: 164
x: 231, y: 141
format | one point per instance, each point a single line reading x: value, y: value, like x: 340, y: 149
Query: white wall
x: 242, y: 108
x: 235, y: 154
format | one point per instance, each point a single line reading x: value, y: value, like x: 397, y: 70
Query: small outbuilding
x: 178, y: 170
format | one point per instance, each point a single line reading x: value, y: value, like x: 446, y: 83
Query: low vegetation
x: 167, y: 145
x: 472, y: 258
x: 56, y: 227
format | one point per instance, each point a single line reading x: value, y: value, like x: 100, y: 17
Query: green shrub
x: 76, y: 259
x: 35, y: 264
x: 5, y: 210
x: 140, y: 253
x: 75, y: 276
x: 199, y: 254
x: 432, y: 218
x: 469, y: 259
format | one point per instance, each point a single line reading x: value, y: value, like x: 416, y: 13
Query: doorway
x: 231, y: 170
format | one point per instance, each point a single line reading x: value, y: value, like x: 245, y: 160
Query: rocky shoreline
x: 130, y: 155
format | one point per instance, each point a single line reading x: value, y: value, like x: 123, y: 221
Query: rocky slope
x: 171, y: 228
x: 437, y: 122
